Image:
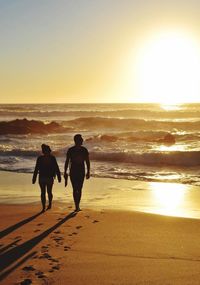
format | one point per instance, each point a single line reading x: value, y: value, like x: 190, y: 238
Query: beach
x: 102, y: 244
x: 100, y: 142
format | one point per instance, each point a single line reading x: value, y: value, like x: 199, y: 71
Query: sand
x: 103, y: 246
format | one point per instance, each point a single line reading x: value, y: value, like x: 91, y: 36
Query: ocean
x: 145, y: 142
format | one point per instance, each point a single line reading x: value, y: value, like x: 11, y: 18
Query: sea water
x: 125, y: 141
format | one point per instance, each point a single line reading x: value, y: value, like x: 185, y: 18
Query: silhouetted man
x: 76, y: 158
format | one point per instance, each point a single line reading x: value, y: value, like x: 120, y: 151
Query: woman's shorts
x: 46, y: 180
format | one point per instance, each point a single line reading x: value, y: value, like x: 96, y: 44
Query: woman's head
x: 45, y: 149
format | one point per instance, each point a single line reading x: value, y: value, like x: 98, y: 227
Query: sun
x: 168, y: 69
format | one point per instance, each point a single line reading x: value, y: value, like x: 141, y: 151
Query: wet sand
x: 112, y: 194
x: 102, y: 246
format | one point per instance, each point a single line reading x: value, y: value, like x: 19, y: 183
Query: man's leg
x: 77, y: 185
x: 79, y: 192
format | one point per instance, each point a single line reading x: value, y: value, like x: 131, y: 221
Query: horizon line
x: 85, y: 103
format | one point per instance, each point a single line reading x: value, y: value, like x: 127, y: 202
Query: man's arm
x: 66, y: 164
x: 57, y: 170
x: 65, y: 169
x: 87, y: 160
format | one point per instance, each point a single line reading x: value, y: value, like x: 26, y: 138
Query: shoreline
x: 111, y: 194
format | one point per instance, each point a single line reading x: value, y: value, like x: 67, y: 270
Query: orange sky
x: 84, y: 51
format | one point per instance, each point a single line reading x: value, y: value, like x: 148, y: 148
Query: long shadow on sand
x: 9, y: 245
x: 11, y: 256
x: 18, y: 225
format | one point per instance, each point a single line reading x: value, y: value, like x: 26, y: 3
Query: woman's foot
x: 49, y: 207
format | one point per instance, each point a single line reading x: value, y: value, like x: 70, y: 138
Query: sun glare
x: 175, y: 147
x: 169, y: 198
x: 168, y: 69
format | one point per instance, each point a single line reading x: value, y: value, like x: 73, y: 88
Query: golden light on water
x: 174, y: 147
x: 168, y: 69
x: 172, y: 107
x: 169, y: 198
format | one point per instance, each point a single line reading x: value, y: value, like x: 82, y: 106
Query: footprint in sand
x: 26, y: 282
x: 18, y: 237
x: 35, y: 231
x: 58, y: 239
x: 45, y: 255
x: 39, y: 224
x: 66, y: 248
x: 54, y: 260
x: 57, y: 232
x: 40, y: 274
x: 95, y: 221
x: 78, y: 227
x: 74, y: 233
x: 59, y: 219
x: 45, y: 247
x: 87, y: 217
x: 56, y: 267
x: 28, y: 268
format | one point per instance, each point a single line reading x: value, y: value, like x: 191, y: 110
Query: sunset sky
x: 99, y: 51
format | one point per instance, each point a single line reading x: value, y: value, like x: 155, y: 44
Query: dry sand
x: 102, y: 247
x: 110, y: 245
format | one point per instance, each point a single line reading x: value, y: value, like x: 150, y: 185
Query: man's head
x: 78, y: 139
x: 45, y: 149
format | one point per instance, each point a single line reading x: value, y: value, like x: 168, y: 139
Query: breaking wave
x: 173, y: 158
x: 91, y: 123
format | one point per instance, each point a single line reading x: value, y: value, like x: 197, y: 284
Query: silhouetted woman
x: 48, y: 169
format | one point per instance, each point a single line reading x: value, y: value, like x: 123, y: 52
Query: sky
x: 81, y: 51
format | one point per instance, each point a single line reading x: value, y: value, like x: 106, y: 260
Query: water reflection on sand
x: 169, y: 198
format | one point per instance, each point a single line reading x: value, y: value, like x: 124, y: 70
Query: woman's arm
x: 57, y: 170
x: 35, y: 173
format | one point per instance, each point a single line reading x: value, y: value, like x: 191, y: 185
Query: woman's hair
x: 46, y: 148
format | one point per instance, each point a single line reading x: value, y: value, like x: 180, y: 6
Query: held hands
x: 87, y: 175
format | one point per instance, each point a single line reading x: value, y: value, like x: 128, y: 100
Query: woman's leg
x: 50, y: 195
x: 43, y: 195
